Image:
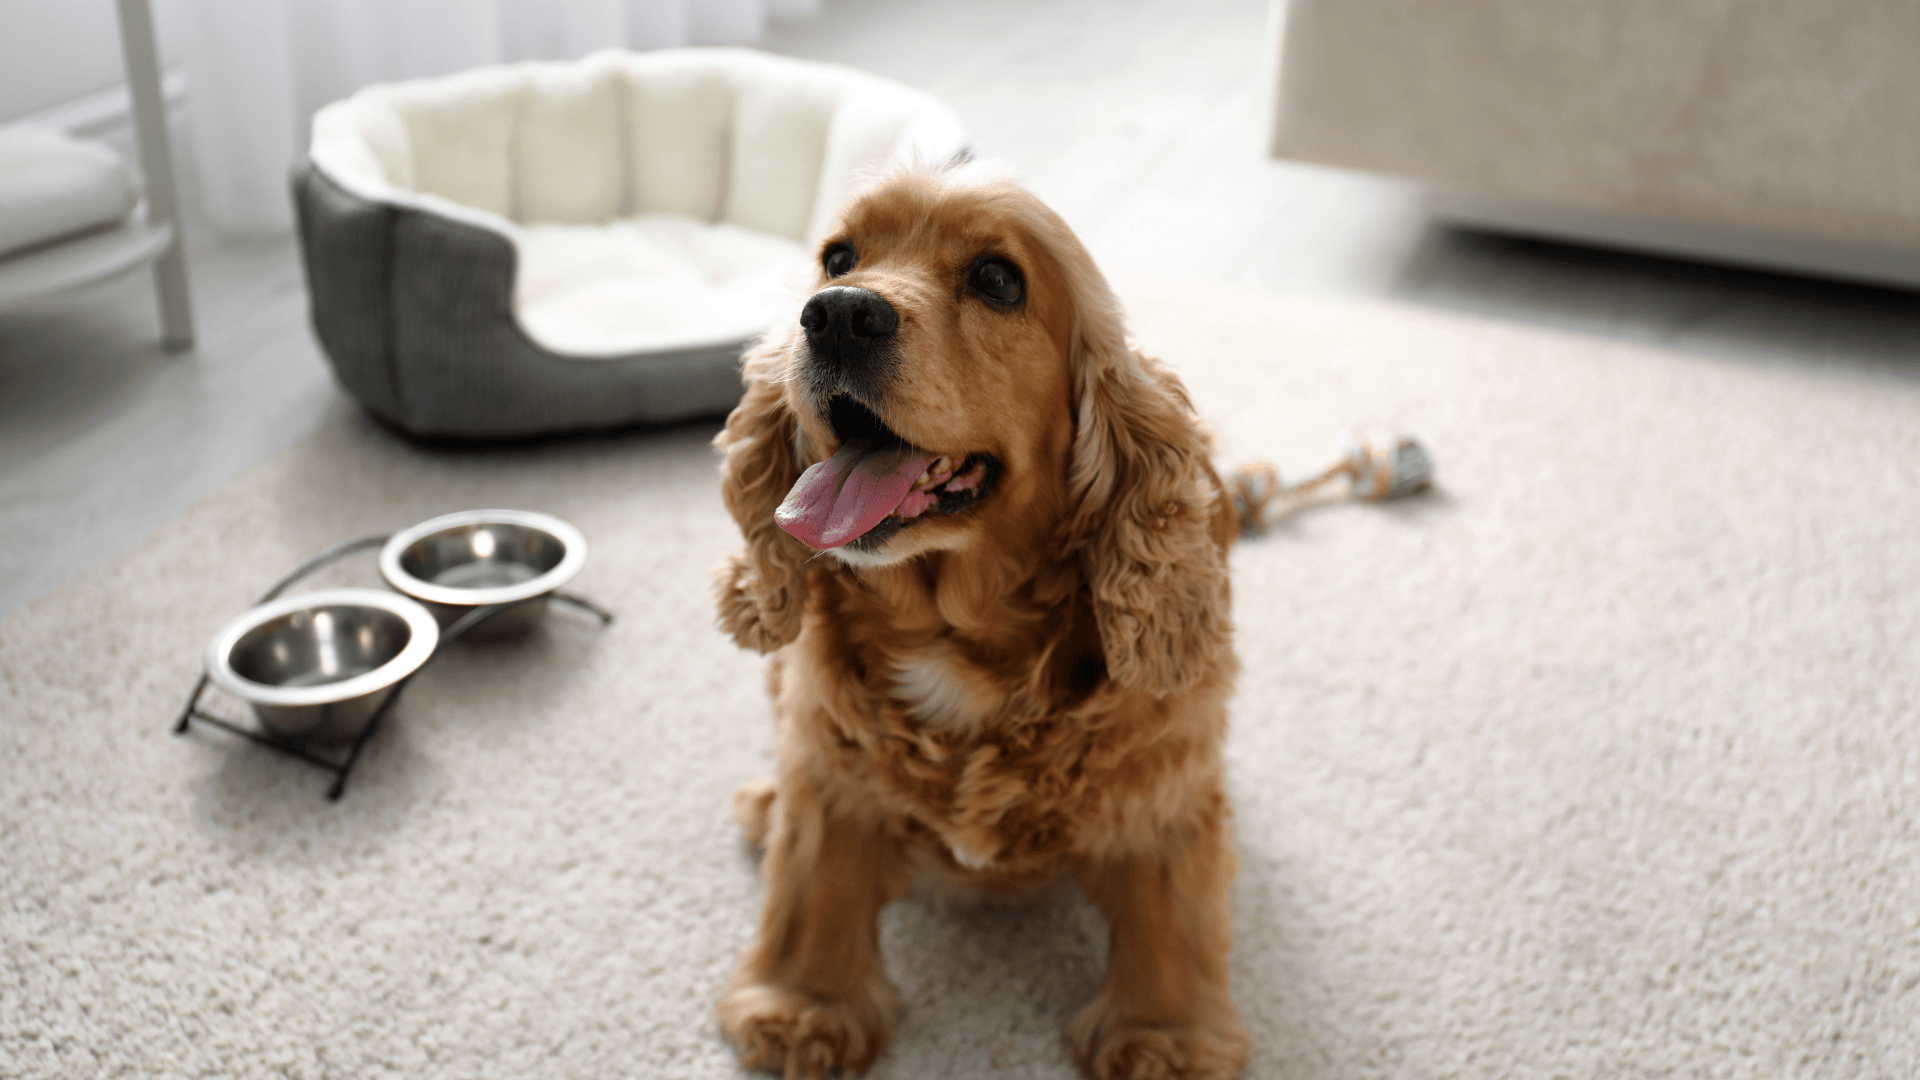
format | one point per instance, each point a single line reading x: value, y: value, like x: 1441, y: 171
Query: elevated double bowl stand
x: 342, y: 767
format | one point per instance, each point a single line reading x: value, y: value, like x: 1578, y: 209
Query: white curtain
x: 257, y: 69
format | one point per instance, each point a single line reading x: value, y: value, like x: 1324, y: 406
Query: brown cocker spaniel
x: 987, y: 552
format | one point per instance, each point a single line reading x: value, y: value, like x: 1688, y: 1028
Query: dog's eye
x: 839, y: 259
x: 996, y: 279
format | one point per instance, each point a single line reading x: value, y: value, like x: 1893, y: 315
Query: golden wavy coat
x: 1027, y: 683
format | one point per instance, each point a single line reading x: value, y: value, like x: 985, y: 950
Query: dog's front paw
x: 804, y: 1035
x: 1111, y: 1047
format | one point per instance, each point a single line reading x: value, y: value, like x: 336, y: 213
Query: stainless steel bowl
x: 316, y: 665
x: 459, y: 562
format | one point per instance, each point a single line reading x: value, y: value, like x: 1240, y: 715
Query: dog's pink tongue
x: 837, y: 501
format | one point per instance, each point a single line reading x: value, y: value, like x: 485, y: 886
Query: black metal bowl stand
x: 342, y: 767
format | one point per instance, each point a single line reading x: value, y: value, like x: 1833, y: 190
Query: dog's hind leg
x: 1164, y: 1011
x: 753, y: 809
x: 812, y: 997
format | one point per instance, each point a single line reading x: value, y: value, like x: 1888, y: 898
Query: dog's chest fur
x: 941, y: 688
x: 974, y: 740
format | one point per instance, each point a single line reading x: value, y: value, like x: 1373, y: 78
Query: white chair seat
x: 53, y: 186
x: 68, y: 215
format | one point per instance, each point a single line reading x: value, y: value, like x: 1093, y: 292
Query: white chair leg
x: 176, y: 306
x: 156, y: 162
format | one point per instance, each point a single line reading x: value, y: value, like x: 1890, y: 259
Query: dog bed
x: 546, y: 247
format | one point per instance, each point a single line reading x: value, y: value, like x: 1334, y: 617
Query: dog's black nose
x: 841, y: 319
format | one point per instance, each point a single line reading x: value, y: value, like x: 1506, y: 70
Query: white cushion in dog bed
x: 651, y: 282
x: 53, y: 186
x: 655, y: 200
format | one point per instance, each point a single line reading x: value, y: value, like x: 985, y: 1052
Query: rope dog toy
x: 1375, y: 470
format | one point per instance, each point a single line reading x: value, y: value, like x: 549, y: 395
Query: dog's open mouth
x: 877, y: 484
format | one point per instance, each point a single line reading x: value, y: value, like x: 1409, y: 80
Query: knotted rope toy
x: 1375, y: 469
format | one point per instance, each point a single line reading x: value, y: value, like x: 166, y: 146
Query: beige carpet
x: 1602, y: 761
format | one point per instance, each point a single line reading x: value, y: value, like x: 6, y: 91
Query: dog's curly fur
x: 1032, y: 687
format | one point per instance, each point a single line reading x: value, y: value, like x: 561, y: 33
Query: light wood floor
x: 1140, y: 120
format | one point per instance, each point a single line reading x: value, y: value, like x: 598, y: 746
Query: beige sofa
x: 1782, y: 133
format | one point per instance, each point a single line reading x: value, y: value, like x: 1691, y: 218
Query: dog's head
x: 959, y: 382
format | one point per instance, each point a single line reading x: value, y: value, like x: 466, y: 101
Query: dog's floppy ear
x: 1142, y: 496
x: 762, y: 590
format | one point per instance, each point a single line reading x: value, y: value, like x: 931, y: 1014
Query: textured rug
x: 1602, y: 760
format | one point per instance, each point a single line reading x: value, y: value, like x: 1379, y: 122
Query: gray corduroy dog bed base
x: 415, y: 312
